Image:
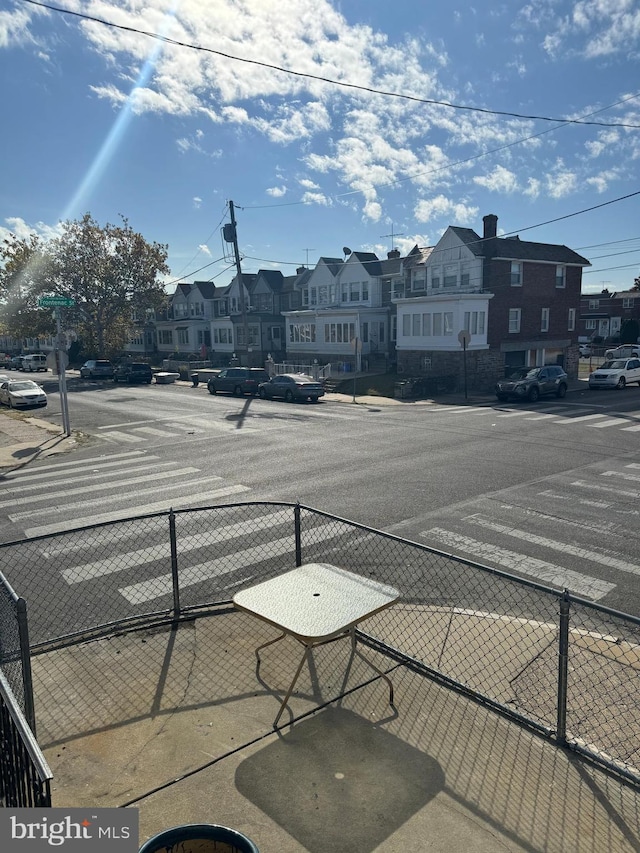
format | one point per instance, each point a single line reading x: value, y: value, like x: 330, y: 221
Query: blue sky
x: 114, y: 122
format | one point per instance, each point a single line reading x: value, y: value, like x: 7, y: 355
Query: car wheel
x: 11, y: 406
x: 212, y: 389
x: 534, y: 395
x: 262, y: 394
x: 288, y: 397
x: 562, y: 391
x: 621, y: 383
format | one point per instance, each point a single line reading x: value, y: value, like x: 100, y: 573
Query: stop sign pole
x: 464, y: 337
x: 57, y: 302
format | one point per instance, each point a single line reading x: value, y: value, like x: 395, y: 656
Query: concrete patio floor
x: 177, y: 723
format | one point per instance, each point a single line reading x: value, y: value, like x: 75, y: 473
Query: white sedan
x: 20, y: 393
x: 615, y: 373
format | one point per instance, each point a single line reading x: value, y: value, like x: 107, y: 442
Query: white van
x: 36, y: 361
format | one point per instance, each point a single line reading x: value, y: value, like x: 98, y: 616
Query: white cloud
x: 276, y: 192
x: 441, y: 207
x: 204, y: 249
x: 561, y: 181
x: 22, y: 230
x: 309, y: 185
x: 592, y: 28
x: 501, y: 180
x: 197, y: 202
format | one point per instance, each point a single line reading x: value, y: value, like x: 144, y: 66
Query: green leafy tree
x: 23, y: 277
x: 629, y: 331
x: 110, y: 272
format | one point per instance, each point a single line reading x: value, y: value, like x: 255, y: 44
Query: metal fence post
x: 174, y: 563
x: 25, y: 660
x: 563, y: 668
x: 298, y: 534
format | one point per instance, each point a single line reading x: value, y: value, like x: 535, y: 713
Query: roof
x: 334, y: 264
x: 521, y: 250
x: 369, y: 261
x: 469, y: 237
x: 274, y: 279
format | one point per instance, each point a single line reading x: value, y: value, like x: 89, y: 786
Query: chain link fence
x: 563, y: 665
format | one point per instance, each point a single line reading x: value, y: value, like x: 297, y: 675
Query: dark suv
x: 238, y: 380
x: 530, y: 383
x: 133, y: 371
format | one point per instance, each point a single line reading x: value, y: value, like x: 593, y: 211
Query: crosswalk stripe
x: 631, y: 428
x: 604, y: 424
x: 185, y: 427
x: 542, y: 417
x: 518, y: 414
x: 56, y: 468
x: 117, y: 435
x: 579, y: 420
x: 93, y: 475
x: 97, y: 487
x: 101, y: 500
x: 164, y: 433
x: 136, y: 559
x: 596, y: 487
x: 592, y: 554
x: 512, y: 561
x: 158, y: 506
x: 163, y: 584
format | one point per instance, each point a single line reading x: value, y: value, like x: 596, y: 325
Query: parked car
x: 34, y: 362
x: 615, y: 373
x: 14, y: 363
x: 100, y: 368
x: 531, y: 383
x: 132, y: 371
x: 585, y: 350
x: 237, y: 380
x: 20, y: 393
x: 291, y: 386
x: 623, y: 351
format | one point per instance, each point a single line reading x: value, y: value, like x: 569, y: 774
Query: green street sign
x: 56, y: 302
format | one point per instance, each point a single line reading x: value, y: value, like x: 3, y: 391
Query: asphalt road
x: 549, y: 491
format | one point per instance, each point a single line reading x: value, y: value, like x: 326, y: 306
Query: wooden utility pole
x: 231, y: 236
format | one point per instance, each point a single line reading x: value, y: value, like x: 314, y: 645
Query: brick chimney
x: 490, y: 225
x: 394, y: 253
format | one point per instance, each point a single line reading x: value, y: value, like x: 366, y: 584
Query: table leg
x: 307, y: 649
x: 356, y: 651
x: 269, y: 643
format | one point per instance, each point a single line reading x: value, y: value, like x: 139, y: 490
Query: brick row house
x: 602, y: 315
x: 519, y: 302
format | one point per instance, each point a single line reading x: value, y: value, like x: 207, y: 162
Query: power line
x: 341, y: 83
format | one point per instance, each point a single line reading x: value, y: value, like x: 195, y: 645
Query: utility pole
x: 231, y: 236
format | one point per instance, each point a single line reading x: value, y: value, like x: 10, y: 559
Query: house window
x: 448, y: 322
x: 354, y: 292
x: 544, y: 320
x: 313, y: 296
x: 426, y: 325
x: 274, y: 332
x: 136, y: 339
x: 416, y: 325
x: 572, y: 319
x: 165, y: 336
x: 474, y: 322
x: 514, y: 320
x: 591, y: 325
x: 627, y: 302
x: 406, y: 325
x: 594, y: 303
x: 437, y: 324
x: 394, y: 328
x: 419, y: 282
x: 561, y: 276
x: 222, y: 336
x: 364, y: 333
x: 381, y: 332
x: 435, y: 278
x: 183, y: 337
x: 305, y: 297
x: 516, y: 274
x: 241, y: 337
x: 450, y: 275
x: 465, y: 275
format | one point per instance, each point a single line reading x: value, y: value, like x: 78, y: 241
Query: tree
x: 23, y: 275
x: 636, y: 284
x: 629, y: 332
x: 110, y: 273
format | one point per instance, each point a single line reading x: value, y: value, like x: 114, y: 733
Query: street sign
x: 55, y: 302
x: 464, y: 337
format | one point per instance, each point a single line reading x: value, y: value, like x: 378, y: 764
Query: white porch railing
x: 318, y: 371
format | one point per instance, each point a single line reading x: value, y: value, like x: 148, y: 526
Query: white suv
x: 624, y: 351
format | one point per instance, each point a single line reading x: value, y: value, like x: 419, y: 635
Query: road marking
x: 97, y: 487
x: 136, y: 559
x: 117, y: 436
x: 603, y: 424
x: 631, y: 428
x: 120, y: 515
x: 578, y: 420
x: 94, y: 475
x: 163, y: 584
x: 542, y: 417
x: 164, y: 433
x: 582, y: 484
x: 63, y: 467
x: 514, y: 414
x: 101, y: 500
x: 185, y: 427
x: 622, y: 474
x: 592, y: 554
x: 512, y: 561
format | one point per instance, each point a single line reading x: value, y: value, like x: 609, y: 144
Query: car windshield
x: 27, y: 385
x: 615, y: 364
x: 525, y: 373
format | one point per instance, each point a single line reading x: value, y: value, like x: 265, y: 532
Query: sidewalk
x: 178, y: 723
x: 23, y: 439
